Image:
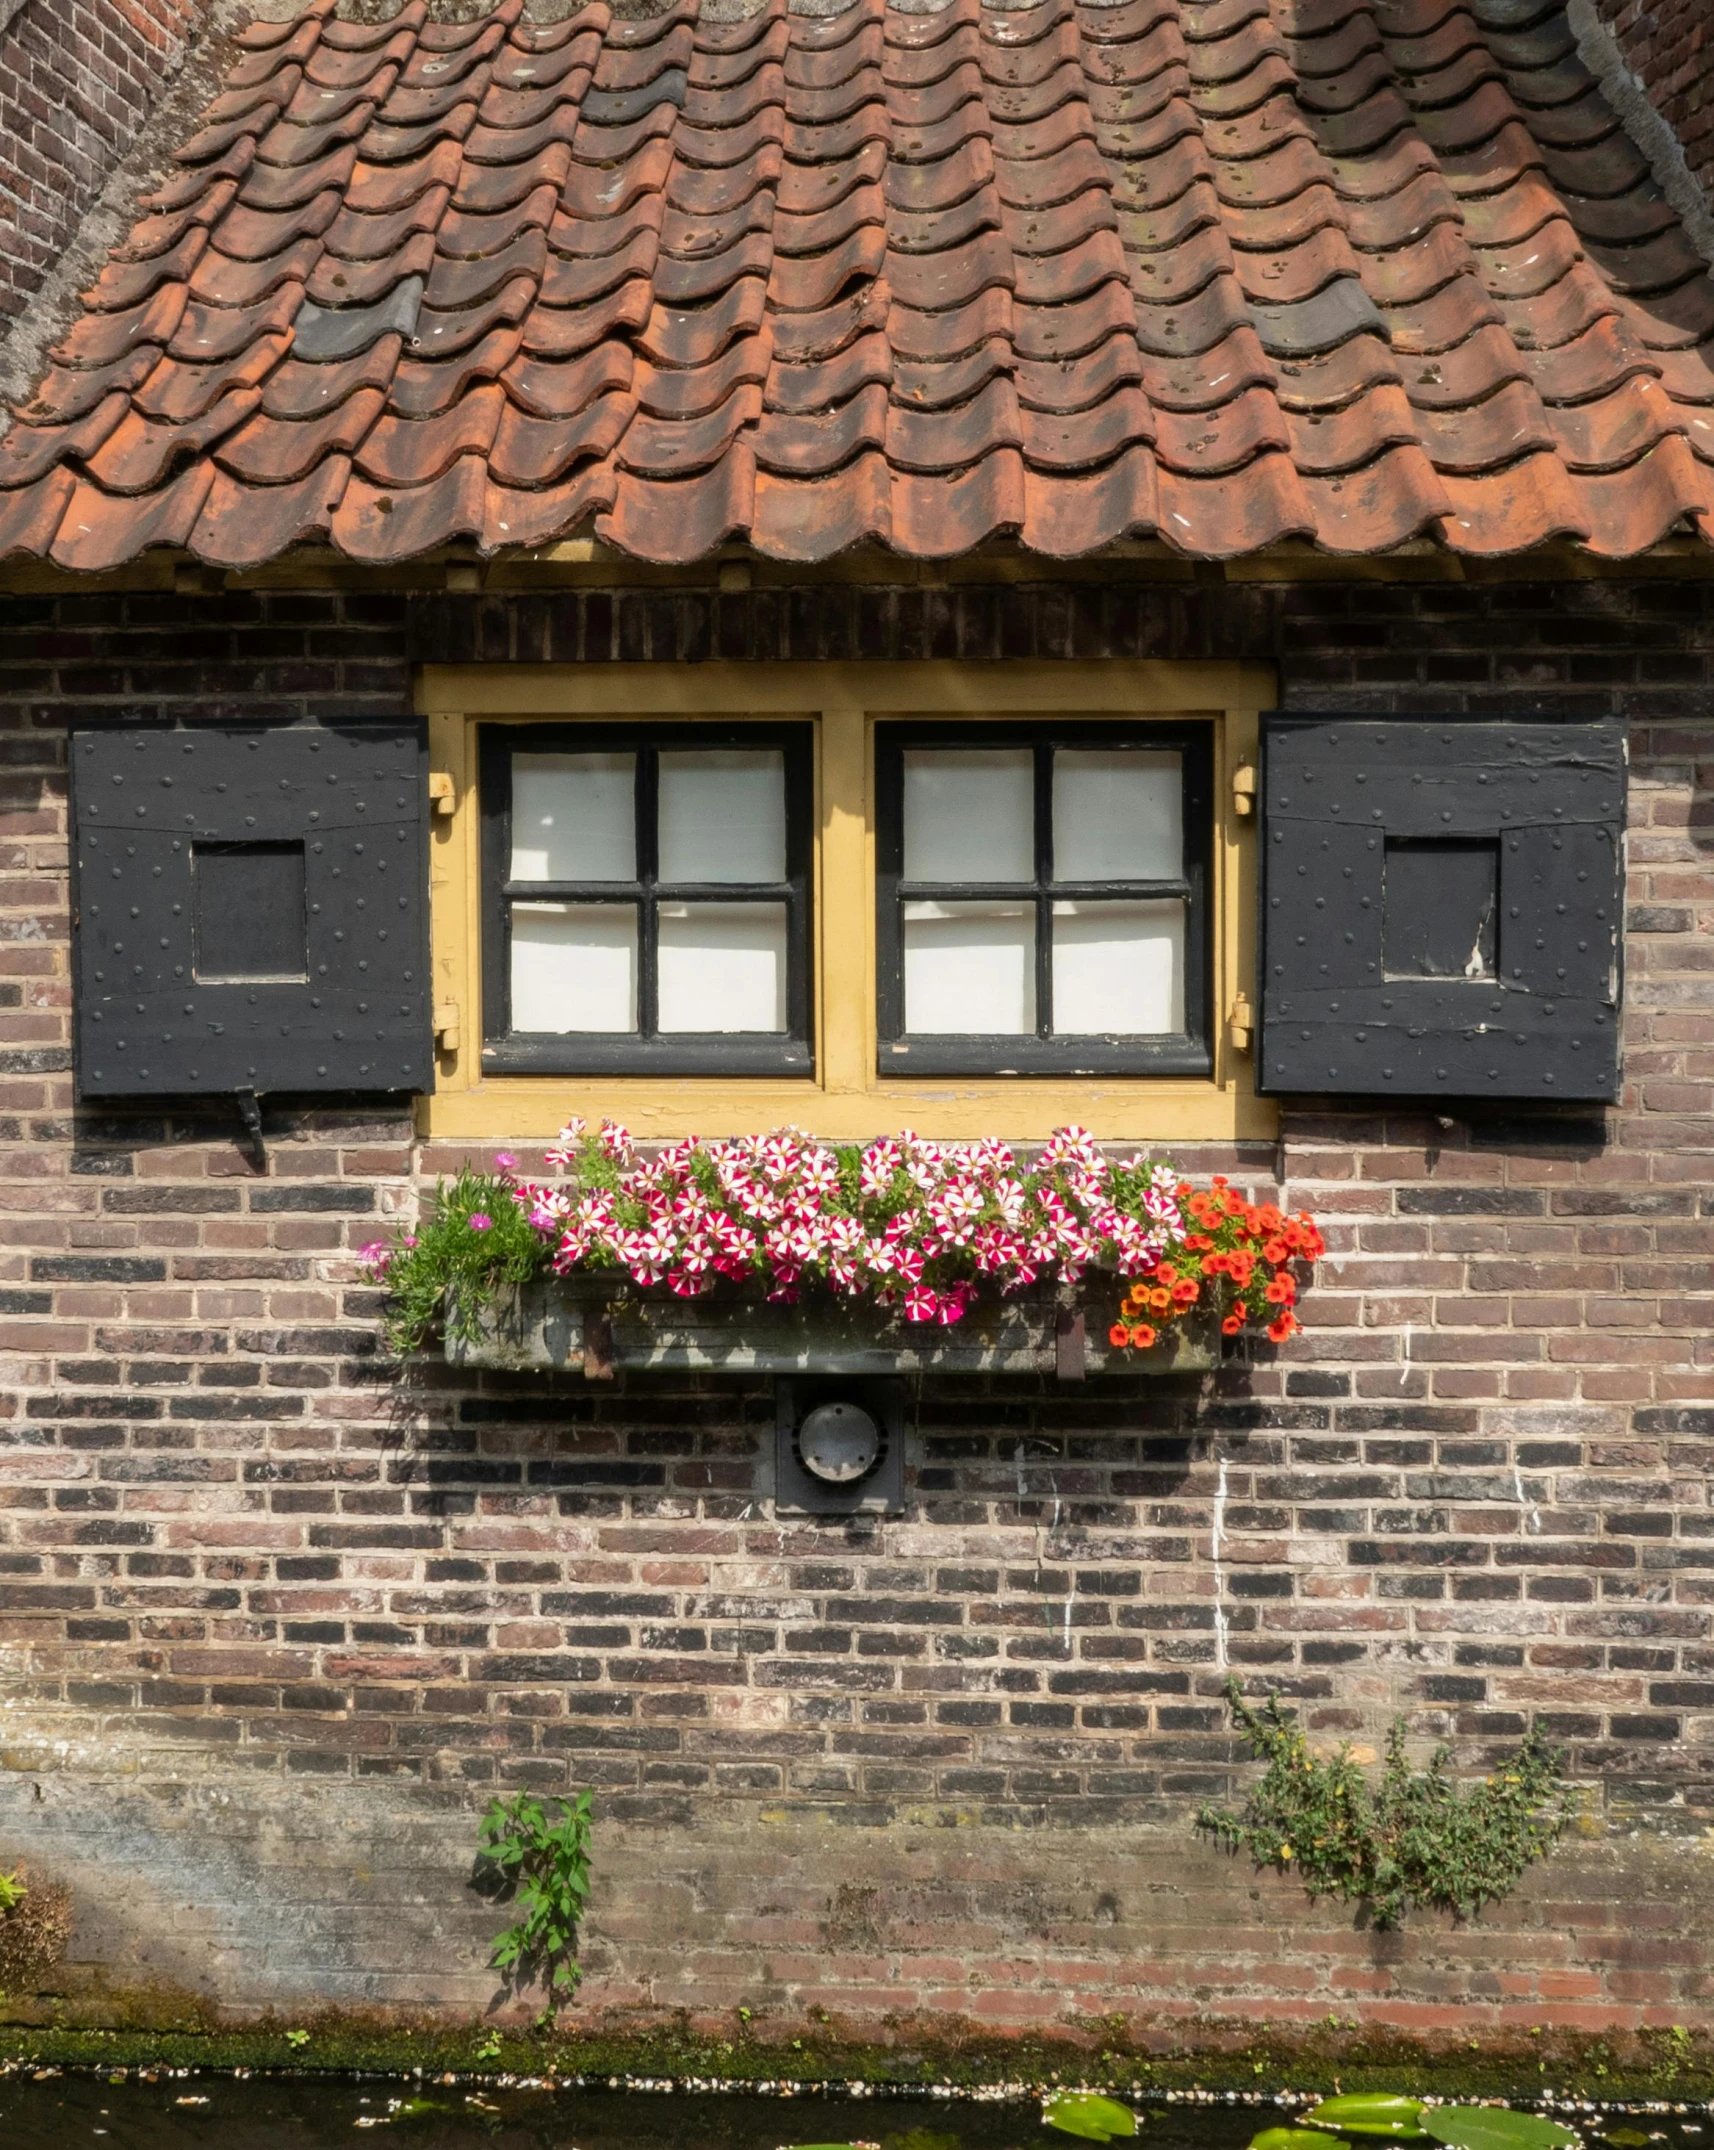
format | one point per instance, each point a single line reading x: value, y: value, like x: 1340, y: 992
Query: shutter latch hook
x: 250, y: 1112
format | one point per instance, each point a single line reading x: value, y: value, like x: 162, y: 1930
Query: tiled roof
x: 1223, y: 272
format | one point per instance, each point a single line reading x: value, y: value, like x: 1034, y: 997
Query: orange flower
x: 1185, y: 1293
x: 1278, y: 1292
x: 1160, y: 1300
x: 1275, y: 1251
x: 1271, y: 1218
x: 1279, y: 1330
x: 1142, y: 1336
x: 1165, y: 1273
x: 1231, y: 1325
x: 1118, y: 1336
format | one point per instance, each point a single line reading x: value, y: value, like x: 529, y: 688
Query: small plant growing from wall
x: 1415, y: 1837
x: 544, y: 1860
x: 35, y: 1926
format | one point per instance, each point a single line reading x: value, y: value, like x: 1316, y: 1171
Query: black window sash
x: 645, y: 1050
x: 1186, y: 1052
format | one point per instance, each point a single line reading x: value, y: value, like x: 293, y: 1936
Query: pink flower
x: 480, y: 1221
x: 921, y: 1304
x: 504, y: 1161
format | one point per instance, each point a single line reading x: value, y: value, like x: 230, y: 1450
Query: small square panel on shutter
x: 250, y: 913
x: 1441, y: 907
x: 250, y: 910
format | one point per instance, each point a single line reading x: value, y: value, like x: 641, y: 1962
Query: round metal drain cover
x: 838, y: 1443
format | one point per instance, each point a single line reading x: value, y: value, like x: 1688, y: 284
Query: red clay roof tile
x: 914, y: 275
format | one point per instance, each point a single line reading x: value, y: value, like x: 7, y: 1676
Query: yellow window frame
x: 847, y: 1098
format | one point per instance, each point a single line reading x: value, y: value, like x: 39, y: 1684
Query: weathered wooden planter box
x: 599, y: 1324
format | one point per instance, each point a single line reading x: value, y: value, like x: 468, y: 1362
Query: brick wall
x: 1669, y: 46
x: 78, y: 79
x: 275, y: 1624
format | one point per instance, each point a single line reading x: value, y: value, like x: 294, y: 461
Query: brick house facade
x: 1366, y: 353
x: 279, y: 1624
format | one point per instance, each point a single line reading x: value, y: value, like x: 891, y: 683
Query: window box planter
x: 600, y: 1323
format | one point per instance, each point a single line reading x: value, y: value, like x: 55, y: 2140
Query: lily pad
x: 1496, y: 2127
x: 1626, y: 2138
x: 1294, y: 2139
x: 1082, y: 2113
x: 1371, y: 2112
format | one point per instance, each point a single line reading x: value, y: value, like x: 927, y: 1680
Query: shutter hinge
x: 443, y: 791
x: 1244, y: 789
x: 1240, y: 1025
x: 446, y: 1026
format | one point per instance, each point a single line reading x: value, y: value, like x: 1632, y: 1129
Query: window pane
x: 723, y: 816
x: 574, y: 966
x: 969, y: 814
x: 722, y: 966
x: 574, y: 818
x: 1118, y: 968
x: 1117, y: 815
x: 970, y: 969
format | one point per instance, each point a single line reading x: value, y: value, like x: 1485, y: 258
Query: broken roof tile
x: 923, y: 276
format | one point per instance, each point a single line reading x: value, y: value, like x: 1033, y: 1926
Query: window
x: 1043, y: 898
x: 964, y: 898
x: 646, y: 899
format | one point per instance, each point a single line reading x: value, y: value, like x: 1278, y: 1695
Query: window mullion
x: 648, y: 877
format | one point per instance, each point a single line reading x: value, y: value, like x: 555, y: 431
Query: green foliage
x: 12, y: 1893
x: 1372, y: 2114
x: 546, y: 1861
x: 1082, y: 2113
x: 1494, y: 2127
x: 1414, y: 1837
x: 440, y: 1277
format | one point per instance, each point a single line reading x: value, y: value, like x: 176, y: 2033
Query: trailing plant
x: 545, y: 1859
x: 1414, y: 1837
x: 474, y: 1243
x: 925, y: 1226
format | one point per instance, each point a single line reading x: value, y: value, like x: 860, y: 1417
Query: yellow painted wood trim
x: 518, y: 1108
x: 1142, y: 688
x: 847, y: 1099
x: 845, y: 907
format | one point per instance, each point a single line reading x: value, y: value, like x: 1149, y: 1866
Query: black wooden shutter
x: 250, y: 910
x: 1441, y: 907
